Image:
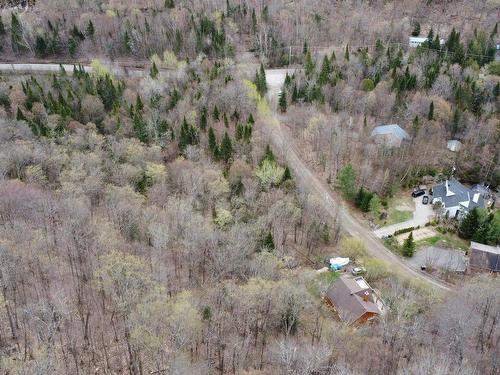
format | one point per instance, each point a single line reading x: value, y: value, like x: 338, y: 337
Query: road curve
x: 284, y: 143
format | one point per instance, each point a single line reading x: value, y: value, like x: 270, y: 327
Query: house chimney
x: 365, y: 296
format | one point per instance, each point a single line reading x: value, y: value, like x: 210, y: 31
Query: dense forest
x: 437, y: 93
x: 147, y: 225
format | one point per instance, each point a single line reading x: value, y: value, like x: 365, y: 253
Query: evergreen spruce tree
x: 226, y: 148
x: 469, y: 224
x: 481, y: 233
x: 188, y: 135
x: 416, y: 29
x: 250, y: 119
x: 415, y: 125
x: 16, y: 30
x: 139, y: 106
x: 409, y: 246
x: 288, y: 79
x: 282, y: 101
x: 430, y: 115
x: 212, y: 143
x: 359, y: 197
x: 90, y: 30
x: 494, y: 32
x: 247, y: 132
x: 430, y: 36
x: 40, y: 46
x: 287, y: 175
x: 346, y: 54
x: 72, y: 46
x: 268, y: 242
x: 226, y: 122
x: 235, y: 116
x: 240, y: 133
x: 154, y: 71
x: 268, y: 154
x: 127, y: 46
x: 169, y: 4
x: 254, y: 21
x: 140, y: 127
x: 2, y: 28
x: 20, y: 115
x: 455, y: 122
x: 365, y: 202
x: 309, y: 65
x: 260, y: 78
x: 346, y: 181
x: 174, y: 98
x: 203, y: 118
x: 215, y: 113
x: 295, y: 93
x: 324, y: 74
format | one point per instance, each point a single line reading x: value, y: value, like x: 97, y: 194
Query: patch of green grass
x: 445, y: 240
x: 392, y: 244
x: 394, y: 215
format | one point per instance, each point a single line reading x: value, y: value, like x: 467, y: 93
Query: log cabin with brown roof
x: 354, y: 300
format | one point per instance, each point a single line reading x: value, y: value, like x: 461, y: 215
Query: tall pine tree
x: 212, y: 143
x: 346, y: 54
x: 226, y: 148
x: 430, y: 115
x: 409, y: 246
x: 140, y: 127
x: 16, y: 30
x: 282, y: 101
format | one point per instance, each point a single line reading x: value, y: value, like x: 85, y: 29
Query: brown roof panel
x: 346, y: 294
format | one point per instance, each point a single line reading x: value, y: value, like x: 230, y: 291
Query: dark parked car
x: 425, y: 199
x: 417, y: 193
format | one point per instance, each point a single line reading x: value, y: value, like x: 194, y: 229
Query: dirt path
x: 308, y: 181
x: 116, y: 69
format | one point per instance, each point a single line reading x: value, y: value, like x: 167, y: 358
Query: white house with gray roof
x: 390, y: 135
x: 457, y: 199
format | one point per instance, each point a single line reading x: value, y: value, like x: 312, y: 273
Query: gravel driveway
x: 437, y: 257
x: 421, y: 216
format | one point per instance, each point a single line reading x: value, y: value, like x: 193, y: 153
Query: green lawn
x: 445, y: 240
x: 395, y: 215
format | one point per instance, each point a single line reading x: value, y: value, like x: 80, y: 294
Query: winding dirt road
x: 282, y: 141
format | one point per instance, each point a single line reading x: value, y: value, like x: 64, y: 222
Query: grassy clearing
x: 399, y: 208
x: 396, y: 216
x: 445, y: 240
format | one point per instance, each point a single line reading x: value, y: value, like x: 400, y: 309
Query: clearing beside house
x: 418, y: 235
x: 419, y: 217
